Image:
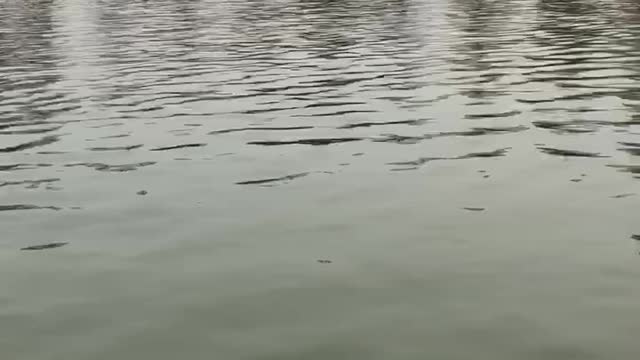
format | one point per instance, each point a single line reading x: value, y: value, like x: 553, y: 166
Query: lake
x: 316, y: 179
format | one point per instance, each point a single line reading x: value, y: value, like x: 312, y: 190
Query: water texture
x: 316, y: 179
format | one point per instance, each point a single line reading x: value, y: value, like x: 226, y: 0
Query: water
x: 444, y: 179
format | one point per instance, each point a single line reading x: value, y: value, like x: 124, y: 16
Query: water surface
x: 245, y: 179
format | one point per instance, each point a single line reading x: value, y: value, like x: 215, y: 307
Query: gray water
x: 291, y: 179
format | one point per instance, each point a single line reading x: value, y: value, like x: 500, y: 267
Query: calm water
x: 237, y: 179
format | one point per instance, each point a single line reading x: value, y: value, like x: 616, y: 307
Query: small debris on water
x: 45, y: 246
x: 576, y: 180
x: 324, y: 261
x: 635, y: 237
x: 142, y: 192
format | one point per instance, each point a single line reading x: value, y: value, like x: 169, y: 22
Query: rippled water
x: 291, y: 179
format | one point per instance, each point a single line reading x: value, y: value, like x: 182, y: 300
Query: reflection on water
x: 301, y: 195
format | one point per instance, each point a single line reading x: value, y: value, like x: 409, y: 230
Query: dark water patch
x: 570, y: 153
x: 635, y: 237
x: 285, y: 178
x: 182, y: 146
x: 369, y: 124
x: 314, y: 142
x: 622, y: 196
x: 257, y: 128
x: 30, y: 183
x: 32, y: 144
x: 631, y: 144
x: 116, y: 148
x: 45, y: 246
x: 114, y: 168
x: 493, y: 115
x: 12, y: 167
x: 18, y: 207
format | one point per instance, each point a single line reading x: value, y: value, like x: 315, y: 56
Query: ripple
x: 13, y: 167
x: 114, y: 168
x: 31, y: 183
x: 383, y: 123
x: 116, y: 148
x: 181, y: 146
x: 574, y: 127
x: 31, y: 131
x: 633, y: 169
x: 475, y: 131
x: 260, y: 128
x: 493, y: 115
x: 339, y: 113
x: 45, y: 246
x: 47, y: 140
x: 285, y: 178
x: 570, y: 153
x: 17, y: 207
x: 314, y: 142
x: 423, y: 160
x: 621, y: 196
x: 631, y: 150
